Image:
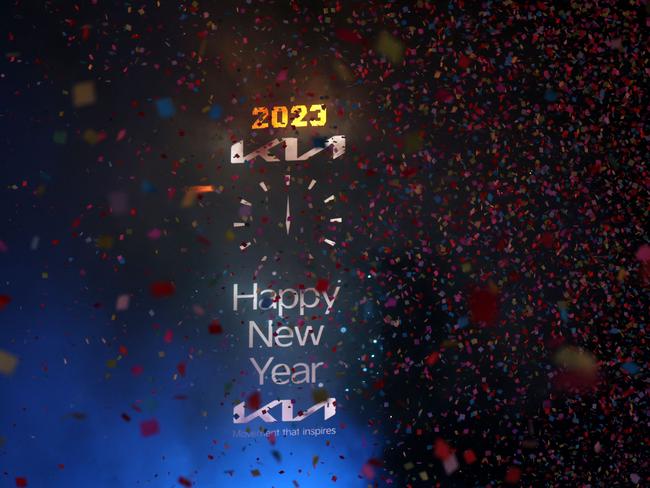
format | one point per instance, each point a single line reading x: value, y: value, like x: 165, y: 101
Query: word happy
x: 285, y: 299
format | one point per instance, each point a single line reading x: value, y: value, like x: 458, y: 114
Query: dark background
x: 493, y: 256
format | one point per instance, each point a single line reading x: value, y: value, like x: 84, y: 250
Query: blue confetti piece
x: 550, y: 95
x: 215, y: 112
x: 147, y: 187
x: 319, y: 141
x: 462, y: 322
x: 165, y: 108
x: 266, y: 303
x: 631, y: 367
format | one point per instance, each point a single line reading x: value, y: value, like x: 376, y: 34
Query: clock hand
x: 287, y: 219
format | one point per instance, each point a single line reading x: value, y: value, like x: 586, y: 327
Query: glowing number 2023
x: 299, y: 116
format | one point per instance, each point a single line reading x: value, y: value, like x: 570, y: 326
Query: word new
x: 283, y: 336
x: 285, y: 299
x: 264, y: 413
x: 290, y: 144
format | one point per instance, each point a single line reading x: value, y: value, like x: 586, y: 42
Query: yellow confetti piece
x: 91, y: 136
x: 104, y: 242
x: 188, y: 199
x: 390, y: 47
x: 413, y: 142
x: 40, y: 191
x: 83, y: 94
x: 320, y: 395
x: 8, y: 363
x: 576, y: 359
x: 343, y: 71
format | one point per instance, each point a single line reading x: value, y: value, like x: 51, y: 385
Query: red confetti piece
x: 432, y: 358
x: 368, y: 469
x: 322, y: 285
x: 282, y: 75
x: 215, y: 327
x: 547, y: 240
x: 254, y: 400
x: 21, y: 481
x: 348, y: 35
x: 203, y: 240
x: 512, y: 475
x: 149, y: 428
x: 4, y: 301
x: 464, y: 61
x: 643, y: 253
x: 161, y: 289
x: 442, y: 449
x: 169, y: 336
x: 483, y: 306
x: 184, y: 481
x: 182, y: 368
x: 469, y: 456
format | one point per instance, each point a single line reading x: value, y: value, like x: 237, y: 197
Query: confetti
x: 215, y: 327
x: 8, y: 363
x: 83, y: 94
x: 122, y: 303
x: 390, y: 47
x: 468, y: 179
x: 149, y: 428
x: 165, y: 108
x: 162, y: 289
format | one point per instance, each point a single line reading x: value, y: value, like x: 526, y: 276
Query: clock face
x: 290, y: 212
